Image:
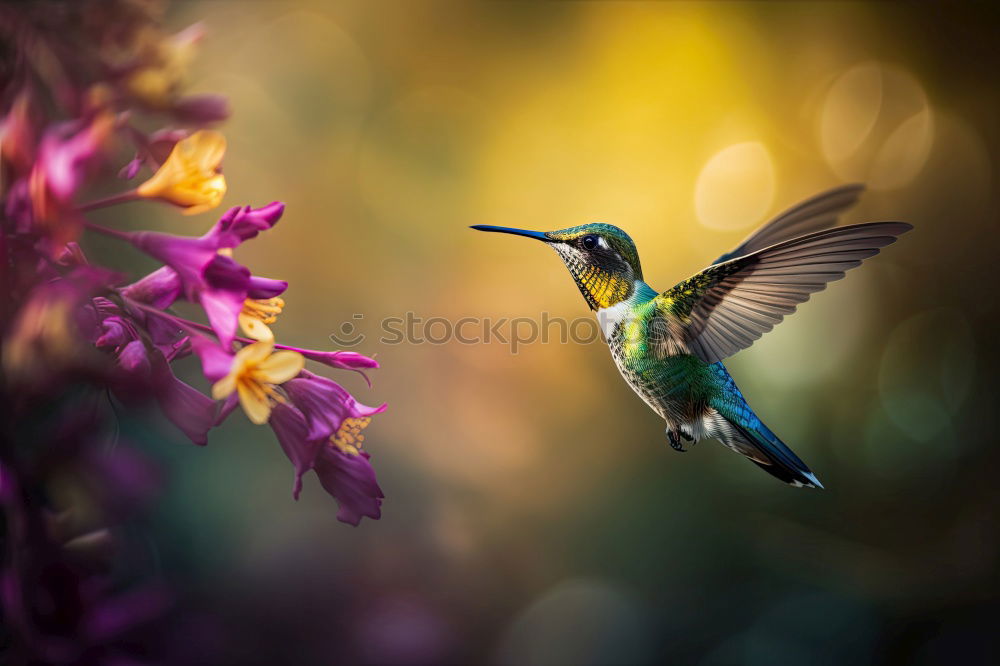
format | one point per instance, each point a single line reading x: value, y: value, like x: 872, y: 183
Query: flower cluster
x: 79, y: 94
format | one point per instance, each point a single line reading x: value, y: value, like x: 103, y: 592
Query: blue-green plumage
x: 669, y: 346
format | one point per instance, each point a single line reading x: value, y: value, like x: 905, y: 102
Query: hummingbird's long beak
x: 538, y: 235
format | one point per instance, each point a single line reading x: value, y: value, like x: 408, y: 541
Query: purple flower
x: 247, y: 222
x: 326, y: 406
x: 205, y: 273
x: 346, y: 475
x: 343, y: 360
x: 321, y: 430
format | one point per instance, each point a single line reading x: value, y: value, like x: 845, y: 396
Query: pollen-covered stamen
x: 264, y: 309
x: 348, y: 437
x: 261, y: 389
x: 255, y: 374
x: 257, y: 313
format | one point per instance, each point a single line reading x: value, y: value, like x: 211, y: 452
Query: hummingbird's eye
x: 590, y: 241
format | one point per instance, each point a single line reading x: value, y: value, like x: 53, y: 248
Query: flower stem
x: 188, y: 324
x: 114, y: 233
x: 124, y: 197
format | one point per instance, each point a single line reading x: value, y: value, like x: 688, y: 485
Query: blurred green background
x: 534, y: 513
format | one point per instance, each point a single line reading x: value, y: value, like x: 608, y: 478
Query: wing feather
x: 728, y: 306
x: 813, y: 214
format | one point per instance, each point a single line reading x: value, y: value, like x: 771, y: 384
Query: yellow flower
x: 256, y: 370
x: 257, y: 313
x: 190, y: 177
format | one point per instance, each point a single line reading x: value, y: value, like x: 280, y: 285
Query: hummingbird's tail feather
x: 765, y: 450
x: 739, y: 428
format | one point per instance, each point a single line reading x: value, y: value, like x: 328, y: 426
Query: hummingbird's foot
x: 675, y: 441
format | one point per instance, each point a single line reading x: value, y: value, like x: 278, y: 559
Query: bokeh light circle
x: 876, y: 126
x: 850, y: 111
x: 735, y: 188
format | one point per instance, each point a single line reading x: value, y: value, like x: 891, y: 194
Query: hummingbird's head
x: 601, y: 258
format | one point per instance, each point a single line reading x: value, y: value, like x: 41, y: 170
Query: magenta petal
x: 188, y: 409
x: 188, y: 256
x: 350, y: 360
x: 223, y: 297
x: 215, y: 360
x: 270, y: 213
x: 223, y: 272
x: 290, y: 428
x: 246, y: 222
x: 341, y: 359
x: 134, y: 359
x: 265, y: 287
x: 160, y: 288
x: 223, y: 309
x: 351, y: 481
x: 114, y: 332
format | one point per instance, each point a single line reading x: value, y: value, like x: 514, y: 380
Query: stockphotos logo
x: 411, y: 329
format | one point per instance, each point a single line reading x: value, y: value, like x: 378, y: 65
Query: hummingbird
x: 669, y: 346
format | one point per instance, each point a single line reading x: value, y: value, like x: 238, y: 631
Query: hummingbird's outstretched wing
x: 727, y: 306
x: 813, y: 214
